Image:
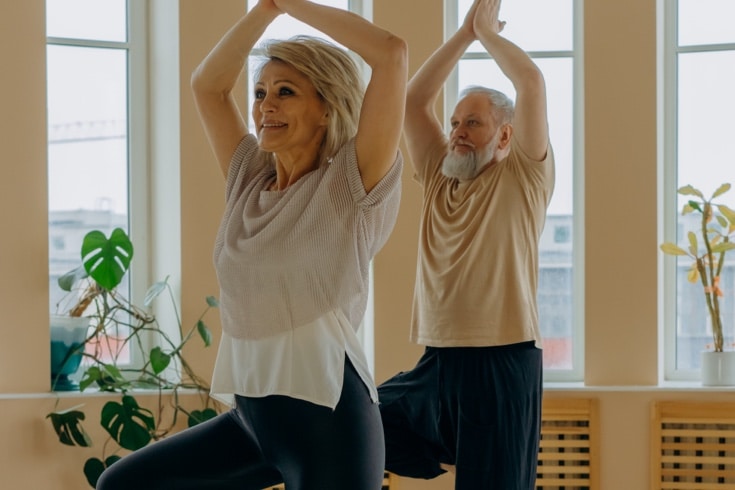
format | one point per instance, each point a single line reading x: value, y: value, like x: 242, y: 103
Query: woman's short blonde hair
x: 335, y: 76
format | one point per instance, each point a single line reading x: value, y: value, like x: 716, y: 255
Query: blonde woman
x: 311, y: 196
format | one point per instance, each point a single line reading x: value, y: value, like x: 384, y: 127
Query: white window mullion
x: 138, y: 190
x: 668, y: 191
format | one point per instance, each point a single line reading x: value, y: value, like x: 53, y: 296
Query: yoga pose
x: 472, y: 404
x: 311, y: 196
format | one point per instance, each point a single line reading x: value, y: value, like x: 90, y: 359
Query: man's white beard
x: 469, y: 165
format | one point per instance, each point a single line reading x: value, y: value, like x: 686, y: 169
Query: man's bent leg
x: 409, y: 408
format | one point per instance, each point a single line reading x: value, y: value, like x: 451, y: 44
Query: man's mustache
x: 463, y: 142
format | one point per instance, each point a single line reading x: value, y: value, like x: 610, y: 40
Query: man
x: 472, y: 404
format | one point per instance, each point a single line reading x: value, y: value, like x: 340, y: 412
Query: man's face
x: 473, y: 140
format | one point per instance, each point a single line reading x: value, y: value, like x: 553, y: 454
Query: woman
x: 311, y: 197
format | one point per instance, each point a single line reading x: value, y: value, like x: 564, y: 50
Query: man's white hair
x: 502, y: 107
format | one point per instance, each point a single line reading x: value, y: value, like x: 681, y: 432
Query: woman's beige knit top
x: 285, y: 258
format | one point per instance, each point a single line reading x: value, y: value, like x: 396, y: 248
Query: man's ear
x: 506, y: 131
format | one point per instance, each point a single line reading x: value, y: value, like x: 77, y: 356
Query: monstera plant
x: 118, y: 327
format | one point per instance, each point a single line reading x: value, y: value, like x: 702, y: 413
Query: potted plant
x: 116, y: 326
x: 707, y: 249
x: 105, y: 262
x: 68, y: 335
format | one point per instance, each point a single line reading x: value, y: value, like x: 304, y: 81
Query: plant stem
x: 708, y: 280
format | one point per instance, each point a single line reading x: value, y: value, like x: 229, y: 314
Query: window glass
x: 286, y: 26
x: 88, y: 86
x: 705, y: 109
x: 706, y: 22
x: 702, y: 151
x: 103, y: 20
x: 87, y: 116
x: 536, y: 25
x: 544, y: 30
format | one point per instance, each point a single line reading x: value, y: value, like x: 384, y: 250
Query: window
x: 698, y: 104
x: 96, y: 123
x: 549, y: 32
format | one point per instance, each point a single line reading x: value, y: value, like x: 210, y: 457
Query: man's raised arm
x: 530, y: 124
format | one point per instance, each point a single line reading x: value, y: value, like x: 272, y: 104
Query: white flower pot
x: 718, y: 368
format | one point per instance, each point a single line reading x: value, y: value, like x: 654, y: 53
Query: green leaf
x: 199, y: 416
x: 107, y: 260
x: 672, y: 249
x: 693, y: 274
x: 727, y: 213
x: 128, y: 423
x: 67, y: 281
x: 723, y: 247
x: 93, y: 469
x: 106, y: 376
x: 68, y: 426
x: 91, y: 375
x: 688, y: 190
x: 721, y: 190
x: 693, y: 245
x: 112, y: 459
x: 159, y: 360
x: 154, y: 291
x: 212, y: 302
x: 722, y: 221
x: 694, y: 205
x: 204, y: 333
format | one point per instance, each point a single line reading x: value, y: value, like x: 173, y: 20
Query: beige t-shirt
x: 477, y: 271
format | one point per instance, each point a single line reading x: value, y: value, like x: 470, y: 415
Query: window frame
x: 669, y: 50
x: 451, y: 23
x: 138, y: 168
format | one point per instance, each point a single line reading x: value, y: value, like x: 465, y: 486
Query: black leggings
x: 265, y: 441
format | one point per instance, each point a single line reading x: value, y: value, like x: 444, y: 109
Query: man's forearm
x: 428, y: 81
x: 511, y: 59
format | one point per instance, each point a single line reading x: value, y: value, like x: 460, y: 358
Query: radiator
x: 693, y: 446
x: 569, y: 452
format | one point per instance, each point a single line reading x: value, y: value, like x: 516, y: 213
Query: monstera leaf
x: 106, y: 260
x: 128, y: 423
x: 94, y: 467
x: 68, y: 426
x: 199, y: 416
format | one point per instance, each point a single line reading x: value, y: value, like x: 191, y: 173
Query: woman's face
x: 288, y: 113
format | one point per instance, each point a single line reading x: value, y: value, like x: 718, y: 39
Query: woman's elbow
x: 197, y: 81
x: 398, y: 51
x: 391, y: 53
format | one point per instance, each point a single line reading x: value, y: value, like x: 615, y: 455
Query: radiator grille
x: 693, y: 446
x: 568, y: 453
